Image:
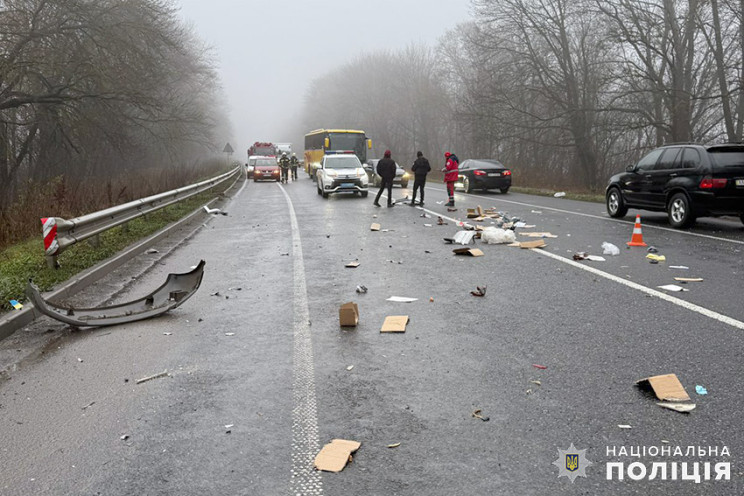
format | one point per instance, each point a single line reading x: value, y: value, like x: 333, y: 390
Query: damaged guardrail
x: 60, y: 234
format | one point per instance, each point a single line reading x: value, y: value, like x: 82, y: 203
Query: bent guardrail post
x: 59, y: 233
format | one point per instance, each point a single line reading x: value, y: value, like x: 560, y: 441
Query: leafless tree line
x: 100, y: 90
x: 563, y: 91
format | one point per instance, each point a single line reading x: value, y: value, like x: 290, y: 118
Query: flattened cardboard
x: 334, y: 456
x: 348, y: 315
x: 480, y: 211
x: 374, y: 227
x: 352, y: 265
x: 532, y: 244
x: 395, y: 323
x: 473, y: 252
x: 689, y: 279
x: 665, y: 387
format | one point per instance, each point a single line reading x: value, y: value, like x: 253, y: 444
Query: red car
x: 266, y: 168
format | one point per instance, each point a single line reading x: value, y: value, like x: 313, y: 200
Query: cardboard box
x: 374, y: 227
x: 348, y: 315
x: 395, y: 323
x: 665, y: 387
x: 532, y: 244
x: 334, y: 456
x: 473, y: 252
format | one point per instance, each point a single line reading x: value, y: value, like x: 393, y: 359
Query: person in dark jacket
x: 293, y: 162
x: 386, y: 171
x: 420, y: 169
x: 284, y: 166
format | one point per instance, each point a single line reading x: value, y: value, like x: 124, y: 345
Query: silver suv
x: 340, y: 173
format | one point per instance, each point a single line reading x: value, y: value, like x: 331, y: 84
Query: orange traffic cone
x: 637, y: 238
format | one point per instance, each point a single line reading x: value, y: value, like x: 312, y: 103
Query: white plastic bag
x: 496, y: 236
x: 610, y: 249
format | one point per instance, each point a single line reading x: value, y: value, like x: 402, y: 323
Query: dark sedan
x: 483, y: 174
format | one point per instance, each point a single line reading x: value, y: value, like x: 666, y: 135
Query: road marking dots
x: 305, y: 479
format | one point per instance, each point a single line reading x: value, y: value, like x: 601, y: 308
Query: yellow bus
x: 320, y: 140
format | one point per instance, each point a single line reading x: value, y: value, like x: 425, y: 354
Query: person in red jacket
x: 450, y: 176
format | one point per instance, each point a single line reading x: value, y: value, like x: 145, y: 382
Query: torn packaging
x: 334, y: 456
x: 473, y: 252
x: 665, y: 387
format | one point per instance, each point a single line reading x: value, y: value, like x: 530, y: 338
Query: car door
x: 637, y: 181
x: 665, y: 169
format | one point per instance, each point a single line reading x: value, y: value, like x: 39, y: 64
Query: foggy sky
x: 268, y: 51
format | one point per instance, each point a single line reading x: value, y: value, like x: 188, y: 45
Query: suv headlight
x: 331, y: 173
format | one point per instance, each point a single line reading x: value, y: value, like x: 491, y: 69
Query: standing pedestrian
x: 450, y: 176
x: 284, y: 166
x: 420, y: 169
x: 386, y: 170
x: 293, y: 162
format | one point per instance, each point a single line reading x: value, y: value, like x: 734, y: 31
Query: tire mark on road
x: 305, y: 480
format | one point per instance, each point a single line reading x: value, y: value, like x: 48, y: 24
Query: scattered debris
x: 431, y: 299
x: 479, y: 291
x: 428, y: 225
x: 440, y: 202
x: 678, y: 407
x: 673, y: 287
x: 152, y: 251
x: 395, y: 323
x: 658, y: 258
x: 496, y: 236
x: 229, y: 334
x: 701, y: 390
x: 89, y: 405
x: 450, y: 209
x: 473, y: 252
x: 665, y: 387
x: 425, y: 215
x: 349, y: 367
x: 440, y: 221
x: 348, y: 315
x: 560, y: 194
x: 401, y: 299
x: 610, y: 249
x: 538, y: 235
x: 228, y: 428
x: 214, y: 210
x: 80, y: 360
x: 167, y: 334
x: 536, y: 382
x: 541, y: 367
x: 689, y: 279
x: 151, y: 377
x: 532, y: 244
x: 462, y: 238
x: 216, y: 293
x: 536, y: 211
x: 361, y: 289
x: 477, y: 414
x: 124, y: 437
x: 652, y: 249
x: 352, y: 265
x: 175, y: 290
x: 394, y: 445
x: 682, y: 267
x: 374, y: 227
x: 624, y: 426
x: 15, y: 304
x: 334, y: 456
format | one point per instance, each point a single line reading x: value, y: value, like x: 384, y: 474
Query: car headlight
x: 406, y: 175
x: 332, y: 173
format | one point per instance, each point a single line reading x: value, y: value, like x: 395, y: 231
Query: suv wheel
x: 741, y: 217
x: 615, y: 204
x: 680, y: 211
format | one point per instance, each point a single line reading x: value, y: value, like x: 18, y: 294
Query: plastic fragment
x: 701, y: 390
x: 541, y: 367
x: 610, y: 249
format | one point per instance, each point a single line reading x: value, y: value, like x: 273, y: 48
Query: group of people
x: 386, y: 170
x: 287, y: 163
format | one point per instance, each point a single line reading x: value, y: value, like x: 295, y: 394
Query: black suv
x: 687, y: 181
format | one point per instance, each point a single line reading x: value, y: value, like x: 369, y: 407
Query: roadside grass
x: 26, y: 260
x: 587, y: 197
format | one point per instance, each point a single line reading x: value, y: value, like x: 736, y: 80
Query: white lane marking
x: 671, y: 299
x: 305, y: 479
x: 600, y: 217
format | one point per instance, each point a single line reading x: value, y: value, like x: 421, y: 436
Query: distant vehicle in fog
x: 265, y: 168
x: 340, y: 140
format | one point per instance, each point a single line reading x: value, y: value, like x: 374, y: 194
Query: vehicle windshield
x: 265, y: 162
x: 732, y: 157
x: 345, y: 162
x: 349, y: 141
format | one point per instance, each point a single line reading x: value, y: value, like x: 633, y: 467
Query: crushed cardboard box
x: 334, y: 456
x: 666, y: 387
x: 473, y: 252
x: 395, y: 323
x: 348, y: 315
x: 532, y: 244
x: 374, y: 227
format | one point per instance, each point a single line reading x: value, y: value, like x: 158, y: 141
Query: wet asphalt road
x: 266, y: 357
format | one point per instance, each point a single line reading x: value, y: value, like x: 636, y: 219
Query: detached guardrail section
x: 59, y: 234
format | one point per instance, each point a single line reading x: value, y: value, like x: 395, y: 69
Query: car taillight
x: 507, y: 172
x: 479, y: 172
x: 713, y: 183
